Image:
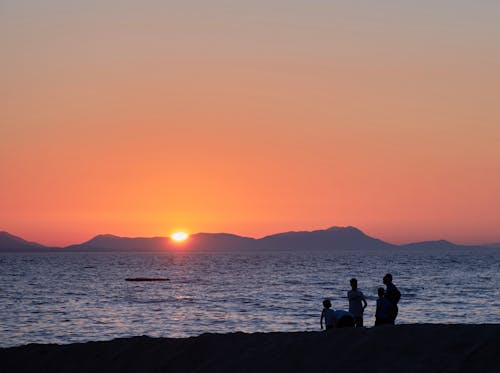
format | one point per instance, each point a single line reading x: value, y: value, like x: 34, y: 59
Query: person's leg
x: 394, y: 314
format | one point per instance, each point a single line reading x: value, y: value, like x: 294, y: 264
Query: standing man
x: 393, y: 295
x: 357, y: 303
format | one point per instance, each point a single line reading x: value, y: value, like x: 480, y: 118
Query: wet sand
x: 404, y: 348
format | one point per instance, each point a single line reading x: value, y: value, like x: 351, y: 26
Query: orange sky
x: 141, y: 118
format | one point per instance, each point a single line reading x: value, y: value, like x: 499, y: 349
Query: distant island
x: 334, y: 238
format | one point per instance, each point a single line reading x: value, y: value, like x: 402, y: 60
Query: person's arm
x: 377, y: 310
x: 321, y: 318
x: 363, y: 300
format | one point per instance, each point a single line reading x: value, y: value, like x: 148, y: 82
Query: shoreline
x: 408, y: 347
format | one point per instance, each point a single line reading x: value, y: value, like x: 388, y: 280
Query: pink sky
x: 139, y: 119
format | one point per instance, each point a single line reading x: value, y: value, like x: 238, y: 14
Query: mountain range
x: 8, y: 242
x: 334, y: 238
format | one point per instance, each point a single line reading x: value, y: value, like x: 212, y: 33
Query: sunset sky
x: 139, y: 118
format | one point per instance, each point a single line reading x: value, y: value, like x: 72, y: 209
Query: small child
x: 335, y: 319
x: 384, y: 309
x: 357, y: 303
x: 327, y: 314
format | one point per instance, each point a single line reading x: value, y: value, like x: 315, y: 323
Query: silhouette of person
x: 357, y: 303
x: 393, y: 295
x: 343, y: 319
x: 327, y: 315
x: 383, y: 312
x: 335, y: 318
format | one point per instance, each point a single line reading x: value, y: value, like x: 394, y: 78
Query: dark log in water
x: 146, y: 279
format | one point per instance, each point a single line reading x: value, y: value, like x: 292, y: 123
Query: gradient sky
x: 138, y: 118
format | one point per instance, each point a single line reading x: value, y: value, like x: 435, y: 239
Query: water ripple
x: 62, y: 298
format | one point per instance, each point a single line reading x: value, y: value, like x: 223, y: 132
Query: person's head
x: 387, y: 278
x: 354, y: 283
x: 381, y: 292
x: 327, y: 303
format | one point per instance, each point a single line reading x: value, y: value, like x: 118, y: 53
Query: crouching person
x: 343, y: 319
x: 335, y: 318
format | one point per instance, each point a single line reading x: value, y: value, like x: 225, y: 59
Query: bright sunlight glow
x: 179, y: 236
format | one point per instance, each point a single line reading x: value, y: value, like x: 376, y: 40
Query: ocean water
x: 74, y: 297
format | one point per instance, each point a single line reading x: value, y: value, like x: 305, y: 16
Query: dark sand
x: 404, y: 348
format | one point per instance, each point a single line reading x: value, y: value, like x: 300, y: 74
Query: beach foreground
x: 408, y: 348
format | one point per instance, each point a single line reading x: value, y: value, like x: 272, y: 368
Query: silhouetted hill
x: 198, y: 242
x: 9, y: 242
x: 109, y: 242
x: 332, y: 238
x: 218, y: 241
x: 434, y: 245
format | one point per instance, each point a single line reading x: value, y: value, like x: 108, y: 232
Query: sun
x: 179, y: 236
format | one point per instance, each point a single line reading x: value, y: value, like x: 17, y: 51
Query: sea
x: 78, y: 297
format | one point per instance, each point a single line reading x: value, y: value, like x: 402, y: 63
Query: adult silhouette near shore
x: 393, y: 295
x: 357, y: 303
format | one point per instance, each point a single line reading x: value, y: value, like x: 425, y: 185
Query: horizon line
x: 483, y: 243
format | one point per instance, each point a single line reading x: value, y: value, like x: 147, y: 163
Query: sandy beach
x: 409, y: 348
